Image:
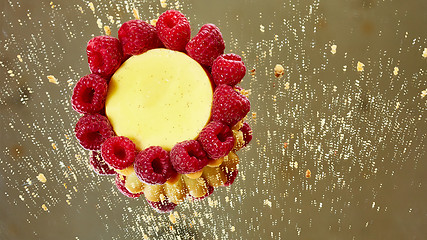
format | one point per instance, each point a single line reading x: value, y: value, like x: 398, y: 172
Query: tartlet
x: 162, y: 111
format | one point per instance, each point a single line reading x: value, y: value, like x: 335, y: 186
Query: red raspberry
x: 164, y: 206
x: 92, y: 130
x: 208, y: 193
x: 119, y: 152
x: 231, y: 176
x: 208, y: 72
x: 153, y: 165
x: 138, y: 37
x: 105, y: 55
x: 228, y: 69
x: 217, y: 139
x: 173, y: 30
x: 99, y: 165
x: 229, y: 106
x: 207, y: 45
x: 247, y: 133
x: 188, y: 157
x: 120, y: 184
x: 89, y: 94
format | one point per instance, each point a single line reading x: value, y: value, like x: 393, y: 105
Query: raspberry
x: 229, y: 106
x: 208, y: 72
x: 207, y: 45
x: 208, y: 193
x: 153, y: 165
x: 231, y: 176
x: 92, y: 130
x: 105, y: 55
x: 99, y: 165
x: 173, y: 30
x: 247, y: 133
x: 188, y: 157
x: 216, y: 139
x: 89, y: 94
x: 120, y: 184
x: 164, y: 206
x: 228, y: 69
x: 119, y: 152
x: 138, y: 37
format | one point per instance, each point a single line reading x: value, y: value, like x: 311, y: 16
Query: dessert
x: 162, y: 111
x: 168, y: 95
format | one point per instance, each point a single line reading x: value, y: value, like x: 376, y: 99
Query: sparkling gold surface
x: 339, y: 149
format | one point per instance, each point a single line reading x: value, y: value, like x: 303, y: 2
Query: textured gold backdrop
x: 362, y: 134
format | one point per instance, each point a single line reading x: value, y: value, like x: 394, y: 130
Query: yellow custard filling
x: 159, y: 98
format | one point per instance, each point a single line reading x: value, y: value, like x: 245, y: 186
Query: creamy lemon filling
x: 159, y: 98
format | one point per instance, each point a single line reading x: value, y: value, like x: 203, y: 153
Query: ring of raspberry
x: 225, y: 133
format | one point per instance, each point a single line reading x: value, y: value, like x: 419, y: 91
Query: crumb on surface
x: 52, y: 79
x: 287, y: 85
x: 279, y: 70
x: 252, y: 72
x: 334, y: 49
x: 360, y: 67
x: 135, y: 13
x: 163, y: 3
x: 424, y: 93
x: 107, y: 30
x: 92, y: 7
x: 293, y: 164
x: 19, y: 57
x: 308, y: 173
x: 153, y: 21
x: 395, y: 71
x: 425, y: 53
x: 11, y: 73
x: 99, y: 23
x: 54, y: 146
x: 267, y: 203
x: 172, y: 218
x: 44, y: 207
x: 41, y: 178
x: 245, y: 92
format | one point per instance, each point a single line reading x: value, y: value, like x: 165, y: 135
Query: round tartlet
x: 158, y: 92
